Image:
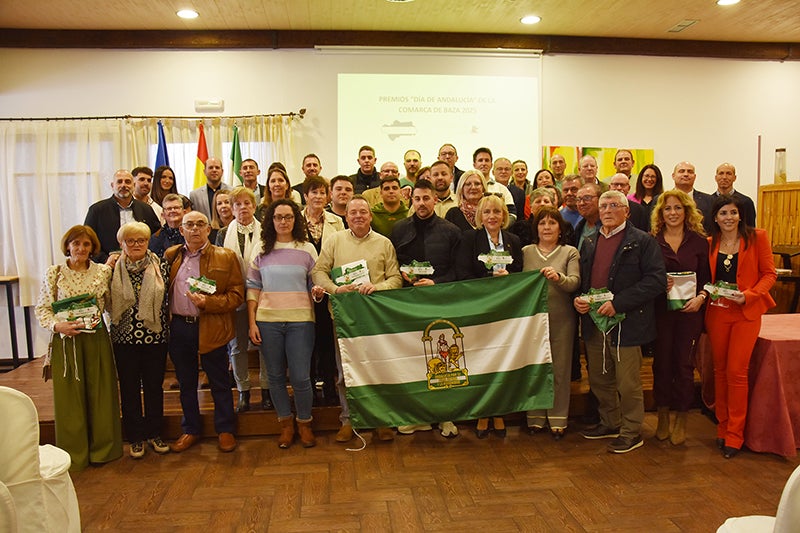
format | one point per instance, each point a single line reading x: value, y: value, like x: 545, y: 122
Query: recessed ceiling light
x: 399, y: 1
x: 727, y: 2
x: 187, y: 14
x: 530, y: 19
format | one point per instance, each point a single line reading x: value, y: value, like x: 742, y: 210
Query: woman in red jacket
x: 742, y: 255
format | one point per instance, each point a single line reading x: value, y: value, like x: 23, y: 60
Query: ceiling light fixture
x: 727, y: 2
x: 530, y: 19
x: 187, y: 14
x: 399, y: 1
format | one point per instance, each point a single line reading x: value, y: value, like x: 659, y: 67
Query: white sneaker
x: 448, y: 429
x: 408, y: 430
x: 137, y: 450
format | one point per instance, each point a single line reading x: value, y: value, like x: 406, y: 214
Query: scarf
x: 469, y: 212
x: 151, y: 293
x: 252, y: 242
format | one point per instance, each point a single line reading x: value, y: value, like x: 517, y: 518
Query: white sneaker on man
x: 408, y: 430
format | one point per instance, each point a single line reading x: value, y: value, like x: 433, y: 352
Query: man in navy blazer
x: 106, y: 216
x: 684, y: 177
x: 725, y: 176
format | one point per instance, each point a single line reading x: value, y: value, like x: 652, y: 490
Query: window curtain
x: 52, y: 171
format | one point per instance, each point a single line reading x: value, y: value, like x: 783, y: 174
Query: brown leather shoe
x: 384, y: 434
x: 184, y: 442
x: 345, y: 433
x: 227, y: 442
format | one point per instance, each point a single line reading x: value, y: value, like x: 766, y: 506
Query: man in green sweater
x: 386, y: 213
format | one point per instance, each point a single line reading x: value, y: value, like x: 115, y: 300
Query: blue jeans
x: 183, y: 348
x: 288, y: 344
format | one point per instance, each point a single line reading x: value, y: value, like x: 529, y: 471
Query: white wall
x: 703, y: 110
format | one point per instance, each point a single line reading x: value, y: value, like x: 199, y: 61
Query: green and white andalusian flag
x: 454, y: 351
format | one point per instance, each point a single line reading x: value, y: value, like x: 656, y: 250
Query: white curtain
x: 51, y: 171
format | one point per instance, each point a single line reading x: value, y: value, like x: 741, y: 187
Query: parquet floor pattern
x: 424, y: 482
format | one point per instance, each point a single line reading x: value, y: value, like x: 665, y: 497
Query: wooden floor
x: 427, y: 483
x: 424, y: 482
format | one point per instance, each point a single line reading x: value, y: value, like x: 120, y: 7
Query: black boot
x: 244, y: 401
x: 266, y: 401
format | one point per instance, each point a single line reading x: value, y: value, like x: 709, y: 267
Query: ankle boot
x: 244, y: 401
x: 266, y: 400
x: 307, y: 438
x: 287, y: 432
x: 662, y: 431
x: 678, y: 435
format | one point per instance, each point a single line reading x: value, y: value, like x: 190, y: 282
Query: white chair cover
x: 37, y: 477
x: 786, y: 521
x: 8, y: 511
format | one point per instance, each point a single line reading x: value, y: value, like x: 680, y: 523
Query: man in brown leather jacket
x: 206, y: 286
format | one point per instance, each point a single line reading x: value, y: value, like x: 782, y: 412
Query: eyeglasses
x: 585, y: 199
x: 136, y: 242
x: 193, y: 225
x: 283, y: 218
x: 612, y: 205
x: 177, y: 208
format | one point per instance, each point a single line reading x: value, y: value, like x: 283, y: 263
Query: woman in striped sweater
x: 281, y: 314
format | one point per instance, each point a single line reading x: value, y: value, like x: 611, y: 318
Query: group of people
x: 230, y: 268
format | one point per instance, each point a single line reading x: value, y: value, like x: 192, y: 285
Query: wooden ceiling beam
x: 276, y: 39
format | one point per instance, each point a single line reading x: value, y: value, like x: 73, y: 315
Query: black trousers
x: 140, y: 367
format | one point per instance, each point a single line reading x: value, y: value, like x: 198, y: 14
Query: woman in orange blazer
x: 742, y: 255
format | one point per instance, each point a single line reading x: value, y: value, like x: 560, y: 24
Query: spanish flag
x: 202, y: 156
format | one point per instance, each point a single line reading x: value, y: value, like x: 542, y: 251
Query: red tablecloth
x: 773, y: 413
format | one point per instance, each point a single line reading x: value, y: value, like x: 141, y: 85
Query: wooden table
x: 9, y: 281
x: 787, y: 252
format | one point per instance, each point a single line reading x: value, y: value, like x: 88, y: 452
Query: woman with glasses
x: 139, y: 333
x: 281, y: 314
x: 85, y: 395
x: 469, y: 191
x: 649, y: 185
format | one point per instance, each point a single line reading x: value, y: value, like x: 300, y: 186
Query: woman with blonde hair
x: 491, y: 219
x: 469, y: 191
x: 139, y: 333
x: 677, y: 225
x: 221, y: 212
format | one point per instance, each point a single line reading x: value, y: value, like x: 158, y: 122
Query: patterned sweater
x: 280, y: 282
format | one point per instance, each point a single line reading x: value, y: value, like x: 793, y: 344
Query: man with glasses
x: 637, y: 214
x: 107, y: 216
x: 449, y: 155
x: 626, y: 264
x: 587, y: 202
x: 389, y: 170
x: 206, y: 287
x: 170, y: 232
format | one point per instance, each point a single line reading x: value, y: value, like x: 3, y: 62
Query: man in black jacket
x: 426, y: 237
x: 366, y: 177
x: 106, y: 216
x: 628, y: 264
